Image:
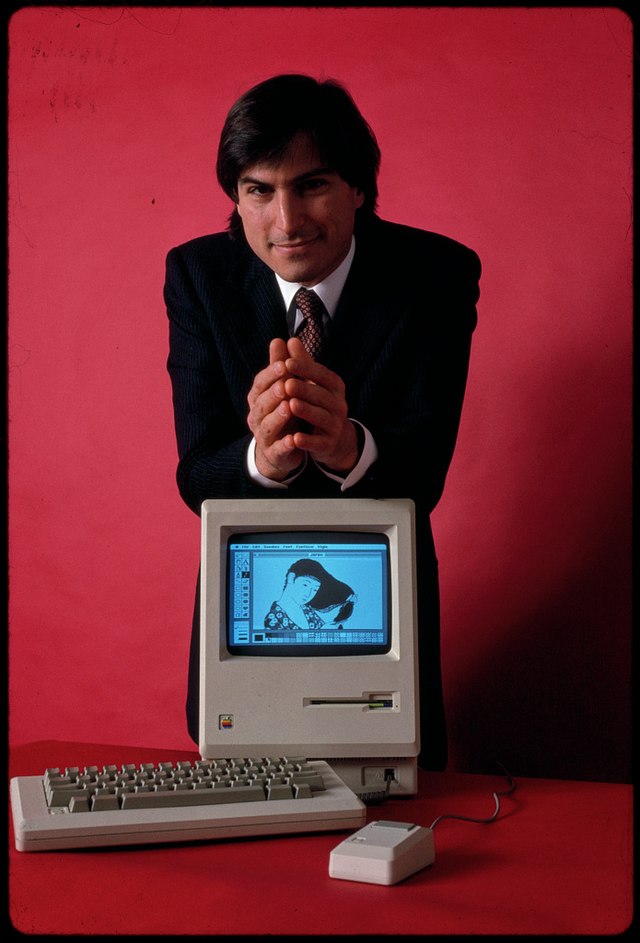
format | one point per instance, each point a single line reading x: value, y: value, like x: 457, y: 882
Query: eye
x: 259, y: 189
x: 313, y: 183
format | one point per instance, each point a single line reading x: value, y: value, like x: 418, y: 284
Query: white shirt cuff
x: 368, y: 457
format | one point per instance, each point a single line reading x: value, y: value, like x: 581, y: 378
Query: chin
x: 305, y: 267
x: 298, y: 273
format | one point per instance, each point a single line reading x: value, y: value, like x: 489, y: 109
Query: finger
x: 327, y: 421
x: 311, y: 372
x: 307, y: 390
x: 266, y: 379
x: 308, y: 369
x: 338, y: 448
x: 268, y: 417
x: 275, y: 371
x: 278, y: 350
x: 297, y: 349
x: 315, y: 443
x: 300, y: 364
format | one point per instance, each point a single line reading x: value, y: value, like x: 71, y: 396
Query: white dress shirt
x: 329, y: 291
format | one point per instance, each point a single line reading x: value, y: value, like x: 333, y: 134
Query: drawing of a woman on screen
x: 311, y: 599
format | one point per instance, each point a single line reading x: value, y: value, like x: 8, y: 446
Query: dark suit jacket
x: 400, y: 340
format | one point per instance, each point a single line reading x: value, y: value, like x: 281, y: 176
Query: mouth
x: 298, y: 245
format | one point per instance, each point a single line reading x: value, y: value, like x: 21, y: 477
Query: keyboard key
x: 313, y: 780
x: 302, y: 791
x: 191, y: 797
x: 279, y: 791
x: 79, y: 803
x: 64, y: 795
x: 104, y: 802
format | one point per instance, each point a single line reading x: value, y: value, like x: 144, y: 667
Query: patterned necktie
x: 311, y: 332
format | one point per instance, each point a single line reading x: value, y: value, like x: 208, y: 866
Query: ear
x: 359, y: 198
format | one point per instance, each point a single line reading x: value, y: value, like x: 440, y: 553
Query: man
x: 373, y: 411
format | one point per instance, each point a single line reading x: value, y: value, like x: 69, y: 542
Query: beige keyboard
x: 143, y: 803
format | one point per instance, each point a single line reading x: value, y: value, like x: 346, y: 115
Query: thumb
x: 277, y: 350
x: 297, y: 349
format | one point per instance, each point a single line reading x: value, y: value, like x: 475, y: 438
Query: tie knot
x: 309, y: 303
x: 311, y: 332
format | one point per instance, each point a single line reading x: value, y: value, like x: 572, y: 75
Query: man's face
x: 298, y: 216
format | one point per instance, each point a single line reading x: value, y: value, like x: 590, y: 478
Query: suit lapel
x: 255, y: 310
x: 365, y: 318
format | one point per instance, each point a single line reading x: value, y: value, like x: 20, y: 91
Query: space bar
x: 191, y: 797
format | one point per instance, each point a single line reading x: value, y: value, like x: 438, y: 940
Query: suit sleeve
x: 210, y: 426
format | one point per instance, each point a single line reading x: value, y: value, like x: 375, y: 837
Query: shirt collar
x: 329, y: 289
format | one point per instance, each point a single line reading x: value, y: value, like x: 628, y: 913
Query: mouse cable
x: 496, y: 811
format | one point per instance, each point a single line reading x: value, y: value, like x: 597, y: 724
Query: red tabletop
x: 558, y: 860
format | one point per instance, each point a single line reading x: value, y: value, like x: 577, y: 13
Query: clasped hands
x: 297, y: 407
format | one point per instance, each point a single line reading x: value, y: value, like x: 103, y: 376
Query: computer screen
x: 308, y: 633
x: 308, y: 593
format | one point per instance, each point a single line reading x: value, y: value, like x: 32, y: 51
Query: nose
x: 290, y: 212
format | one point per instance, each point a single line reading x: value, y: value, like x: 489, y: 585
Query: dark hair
x: 262, y: 123
x: 331, y: 592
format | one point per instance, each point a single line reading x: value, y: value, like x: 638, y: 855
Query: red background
x: 508, y: 129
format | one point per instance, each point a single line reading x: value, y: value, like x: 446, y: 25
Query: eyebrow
x: 316, y: 172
